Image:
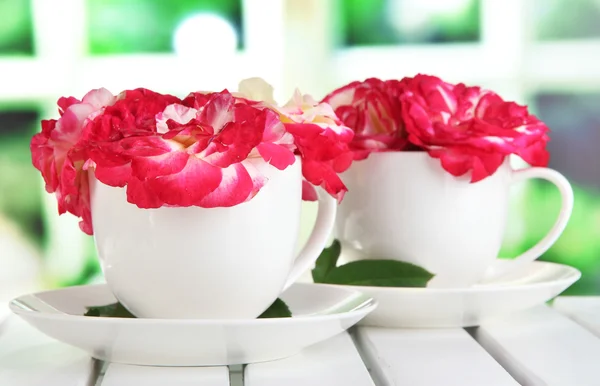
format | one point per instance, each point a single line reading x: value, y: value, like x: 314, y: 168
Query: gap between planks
x: 236, y: 375
x: 376, y: 371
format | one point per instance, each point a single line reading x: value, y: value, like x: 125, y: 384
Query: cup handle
x: 317, y: 239
x: 566, y: 193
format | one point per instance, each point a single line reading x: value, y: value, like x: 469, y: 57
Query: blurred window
x: 574, y: 120
x: 566, y: 19
x: 385, y: 22
x: 161, y: 26
x: 16, y: 31
x: 20, y: 196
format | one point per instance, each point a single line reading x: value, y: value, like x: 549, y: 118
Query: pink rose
x: 372, y: 109
x: 207, y: 150
x: 54, y: 155
x: 322, y: 142
x: 195, y: 156
x: 470, y: 129
x: 467, y: 128
x: 316, y: 133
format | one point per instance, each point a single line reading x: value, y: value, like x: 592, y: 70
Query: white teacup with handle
x: 207, y: 263
x: 404, y: 206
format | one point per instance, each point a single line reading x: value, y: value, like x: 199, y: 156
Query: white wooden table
x: 558, y: 345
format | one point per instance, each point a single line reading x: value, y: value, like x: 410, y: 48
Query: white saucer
x: 320, y: 312
x: 531, y: 285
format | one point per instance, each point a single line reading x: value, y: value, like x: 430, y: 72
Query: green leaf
x: 277, y: 310
x: 114, y: 310
x: 326, y: 262
x: 379, y: 273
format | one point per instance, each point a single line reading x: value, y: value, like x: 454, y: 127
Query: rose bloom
x: 209, y: 150
x: 469, y: 129
x: 53, y: 153
x: 322, y: 141
x: 320, y: 137
x: 191, y: 155
x: 373, y: 111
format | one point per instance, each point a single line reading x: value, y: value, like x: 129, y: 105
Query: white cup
x: 207, y: 263
x: 404, y: 206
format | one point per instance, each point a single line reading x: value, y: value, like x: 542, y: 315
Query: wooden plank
x: 29, y: 358
x: 428, y: 357
x: 585, y: 310
x: 542, y: 347
x: 127, y: 375
x: 332, y: 363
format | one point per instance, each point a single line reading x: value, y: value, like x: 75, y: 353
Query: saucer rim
x: 365, y: 308
x: 572, y: 276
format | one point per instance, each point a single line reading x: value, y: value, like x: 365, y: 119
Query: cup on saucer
x: 404, y: 206
x: 207, y: 263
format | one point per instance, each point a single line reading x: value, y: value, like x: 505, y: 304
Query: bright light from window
x: 203, y: 35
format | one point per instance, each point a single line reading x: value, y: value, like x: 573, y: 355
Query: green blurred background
x: 29, y: 228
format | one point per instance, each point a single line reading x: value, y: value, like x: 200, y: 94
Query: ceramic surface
x: 320, y: 312
x: 403, y: 205
x: 532, y: 284
x: 217, y: 263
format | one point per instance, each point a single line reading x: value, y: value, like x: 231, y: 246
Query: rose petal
x: 324, y: 153
x: 237, y: 139
x: 111, y: 166
x: 236, y: 186
x: 99, y: 98
x: 133, y: 114
x: 459, y: 162
x: 535, y: 155
x: 159, y: 165
x: 342, y: 162
x: 188, y: 187
x: 42, y: 158
x: 178, y: 113
x: 86, y: 209
x: 139, y: 195
x: 146, y: 146
x: 64, y: 103
x: 256, y: 89
x: 277, y: 155
x: 73, y: 194
x: 275, y: 131
x: 197, y: 100
x: 117, y: 176
x: 309, y: 192
x: 218, y: 112
x: 321, y: 174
